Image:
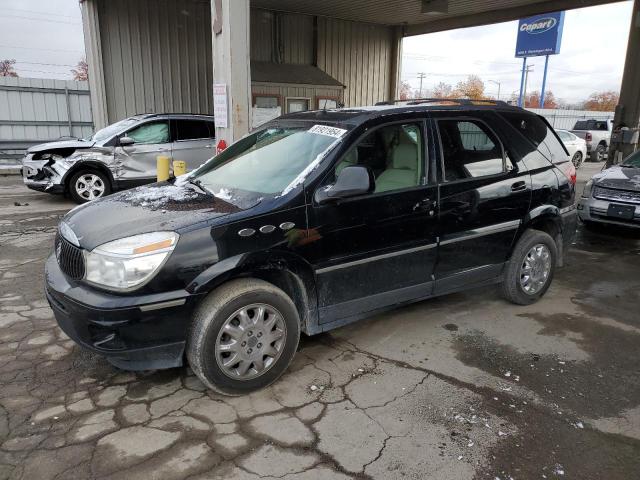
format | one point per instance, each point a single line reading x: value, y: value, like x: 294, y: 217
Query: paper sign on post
x: 220, y: 105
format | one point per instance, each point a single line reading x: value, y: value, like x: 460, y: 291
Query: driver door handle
x: 426, y: 204
x: 519, y: 186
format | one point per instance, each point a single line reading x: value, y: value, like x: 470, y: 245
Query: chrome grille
x: 616, y: 195
x: 69, y: 258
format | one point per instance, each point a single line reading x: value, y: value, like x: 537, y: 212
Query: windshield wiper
x: 198, y: 183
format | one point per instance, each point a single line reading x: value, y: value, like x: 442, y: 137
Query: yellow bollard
x: 179, y: 168
x: 163, y: 168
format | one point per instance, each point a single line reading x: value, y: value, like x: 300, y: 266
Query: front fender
x: 284, y: 269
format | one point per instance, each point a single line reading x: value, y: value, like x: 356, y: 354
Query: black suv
x: 314, y: 221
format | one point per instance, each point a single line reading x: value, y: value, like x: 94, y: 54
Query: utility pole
x: 499, y: 85
x: 528, y: 70
x: 421, y: 77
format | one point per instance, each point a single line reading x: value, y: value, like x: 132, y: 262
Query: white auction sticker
x: 328, y: 131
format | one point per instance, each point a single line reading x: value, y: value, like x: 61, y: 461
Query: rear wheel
x: 601, y: 151
x: 243, y: 336
x: 530, y: 270
x: 87, y: 185
x: 577, y: 160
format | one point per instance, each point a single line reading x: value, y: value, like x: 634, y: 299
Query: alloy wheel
x: 90, y: 186
x: 577, y: 159
x: 535, y: 269
x: 250, y: 341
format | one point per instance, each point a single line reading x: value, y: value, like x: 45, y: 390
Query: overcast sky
x: 45, y: 37
x: 591, y: 57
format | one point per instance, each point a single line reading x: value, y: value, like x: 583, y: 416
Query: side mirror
x: 352, y: 181
x: 126, y: 141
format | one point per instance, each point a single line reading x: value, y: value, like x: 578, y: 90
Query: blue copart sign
x: 540, y: 35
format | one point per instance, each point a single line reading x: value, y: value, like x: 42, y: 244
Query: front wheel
x: 87, y: 185
x: 243, y: 336
x: 530, y: 270
x: 577, y: 160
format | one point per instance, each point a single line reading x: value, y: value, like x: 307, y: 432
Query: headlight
x: 130, y: 262
x: 586, y: 193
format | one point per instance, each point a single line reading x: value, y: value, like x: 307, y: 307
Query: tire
x: 577, y: 159
x: 87, y: 185
x: 222, y: 308
x: 600, y: 152
x: 513, y: 282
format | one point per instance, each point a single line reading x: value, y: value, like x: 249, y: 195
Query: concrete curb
x: 10, y: 169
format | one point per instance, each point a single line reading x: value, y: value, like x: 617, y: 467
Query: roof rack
x: 453, y: 101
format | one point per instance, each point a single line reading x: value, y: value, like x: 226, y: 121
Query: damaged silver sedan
x: 120, y: 156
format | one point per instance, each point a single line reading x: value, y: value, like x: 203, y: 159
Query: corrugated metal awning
x: 268, y: 72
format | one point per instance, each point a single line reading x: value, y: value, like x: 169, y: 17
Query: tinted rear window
x: 531, y: 126
x: 192, y: 129
x: 581, y: 125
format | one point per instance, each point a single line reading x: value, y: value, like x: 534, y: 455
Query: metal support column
x: 544, y: 81
x: 628, y: 109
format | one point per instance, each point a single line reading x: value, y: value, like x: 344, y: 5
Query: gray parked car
x: 120, y: 156
x: 613, y: 195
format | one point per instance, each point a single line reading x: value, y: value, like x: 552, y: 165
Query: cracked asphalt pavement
x: 465, y: 386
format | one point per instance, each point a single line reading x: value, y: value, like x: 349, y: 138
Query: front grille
x: 616, y: 195
x: 69, y: 258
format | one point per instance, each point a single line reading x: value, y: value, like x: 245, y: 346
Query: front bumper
x: 595, y: 210
x: 144, y: 332
x: 42, y: 175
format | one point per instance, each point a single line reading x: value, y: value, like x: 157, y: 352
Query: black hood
x: 621, y: 178
x: 157, y: 207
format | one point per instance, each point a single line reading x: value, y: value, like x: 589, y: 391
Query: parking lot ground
x: 460, y: 387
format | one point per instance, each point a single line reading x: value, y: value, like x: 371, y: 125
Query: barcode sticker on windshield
x: 328, y: 131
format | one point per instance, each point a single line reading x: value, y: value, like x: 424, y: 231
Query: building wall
x: 157, y: 56
x: 297, y: 91
x: 36, y: 110
x: 357, y: 54
x: 360, y: 56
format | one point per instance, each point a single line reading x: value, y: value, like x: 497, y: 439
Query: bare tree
x: 81, y: 72
x: 405, y: 91
x: 7, y: 69
x: 442, y: 90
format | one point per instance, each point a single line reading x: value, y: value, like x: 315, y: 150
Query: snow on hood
x: 60, y: 144
x: 618, y: 177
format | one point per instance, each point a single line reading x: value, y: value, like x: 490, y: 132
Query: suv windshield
x: 271, y: 161
x: 107, y: 132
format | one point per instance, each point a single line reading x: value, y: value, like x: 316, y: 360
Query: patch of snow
x: 156, y: 197
x: 559, y: 470
x: 223, y: 194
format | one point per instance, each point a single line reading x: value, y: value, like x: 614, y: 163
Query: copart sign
x: 540, y: 35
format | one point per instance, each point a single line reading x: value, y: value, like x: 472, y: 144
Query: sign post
x: 538, y: 36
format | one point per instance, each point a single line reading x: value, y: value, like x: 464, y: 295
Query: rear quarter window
x: 538, y: 132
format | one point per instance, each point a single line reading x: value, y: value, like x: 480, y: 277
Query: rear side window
x: 470, y: 150
x: 555, y: 147
x: 192, y: 129
x: 530, y: 126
